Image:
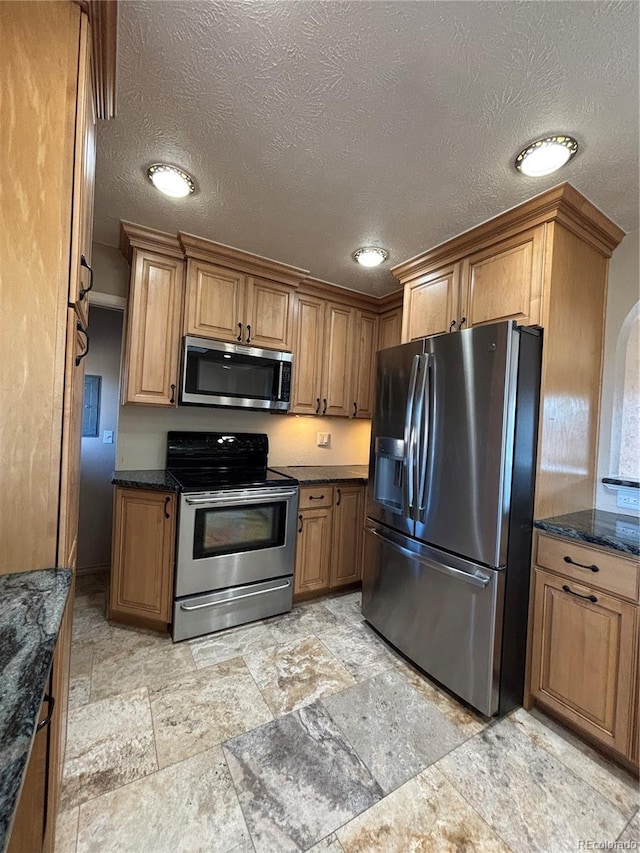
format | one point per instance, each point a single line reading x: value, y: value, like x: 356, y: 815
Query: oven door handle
x: 235, y: 498
x: 234, y: 598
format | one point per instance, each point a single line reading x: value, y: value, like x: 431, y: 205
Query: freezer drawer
x: 194, y: 615
x: 442, y: 612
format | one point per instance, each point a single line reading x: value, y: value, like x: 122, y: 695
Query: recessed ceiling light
x: 545, y: 156
x: 370, y: 256
x: 171, y: 180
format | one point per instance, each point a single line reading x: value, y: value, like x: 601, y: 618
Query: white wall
x: 143, y: 431
x: 110, y: 270
x: 97, y: 460
x: 623, y: 294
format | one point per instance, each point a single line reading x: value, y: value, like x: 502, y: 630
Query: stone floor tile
x: 224, y: 645
x: 631, y: 833
x: 468, y: 721
x: 424, y: 814
x: 297, y: 674
x: 204, y: 708
x: 79, y: 691
x: 360, y: 649
x: 109, y: 743
x: 188, y: 807
x: 67, y: 831
x: 393, y: 729
x: 347, y: 607
x: 298, y: 779
x: 611, y: 780
x: 303, y: 621
x: 527, y: 796
x: 330, y: 844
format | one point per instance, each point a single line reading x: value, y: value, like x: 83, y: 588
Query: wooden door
x: 308, y: 356
x: 313, y: 550
x: 582, y: 647
x: 269, y: 314
x: 366, y: 337
x: 153, y: 329
x: 390, y: 329
x: 338, y: 360
x: 142, y: 558
x: 347, y: 537
x: 431, y: 304
x: 215, y: 302
x: 84, y: 167
x: 504, y: 281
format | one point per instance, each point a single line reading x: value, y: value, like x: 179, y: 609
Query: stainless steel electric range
x: 236, y: 532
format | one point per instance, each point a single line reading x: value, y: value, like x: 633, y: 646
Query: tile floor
x: 307, y: 732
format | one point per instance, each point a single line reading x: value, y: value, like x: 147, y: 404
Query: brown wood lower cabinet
x: 584, y: 650
x: 142, y: 557
x: 330, y: 532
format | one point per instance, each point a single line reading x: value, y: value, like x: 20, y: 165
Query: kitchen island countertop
x: 31, y: 609
x: 606, y: 529
x: 310, y: 475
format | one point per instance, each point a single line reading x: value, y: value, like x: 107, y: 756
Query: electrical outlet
x: 107, y: 436
x: 628, y: 499
x: 323, y: 439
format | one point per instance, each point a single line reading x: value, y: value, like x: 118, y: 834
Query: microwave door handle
x: 407, y: 490
x: 280, y: 371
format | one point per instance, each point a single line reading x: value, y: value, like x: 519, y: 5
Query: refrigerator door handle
x: 423, y: 412
x: 478, y: 580
x: 409, y: 461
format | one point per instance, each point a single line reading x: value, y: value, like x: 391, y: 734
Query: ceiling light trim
x: 370, y: 256
x: 158, y: 170
x: 565, y: 145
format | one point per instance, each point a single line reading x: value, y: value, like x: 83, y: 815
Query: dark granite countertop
x: 31, y: 609
x: 607, y: 529
x: 159, y: 479
x: 308, y: 475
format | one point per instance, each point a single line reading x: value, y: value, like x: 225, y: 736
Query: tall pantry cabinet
x: 53, y: 54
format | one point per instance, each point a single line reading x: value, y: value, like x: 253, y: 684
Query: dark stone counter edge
x: 319, y: 481
x: 581, y: 536
x: 18, y: 752
x: 625, y: 484
x: 160, y: 480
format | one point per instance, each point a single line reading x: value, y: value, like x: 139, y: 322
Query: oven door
x: 233, y: 537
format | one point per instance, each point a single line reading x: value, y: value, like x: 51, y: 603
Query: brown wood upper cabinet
x: 154, y: 319
x: 322, y: 380
x: 142, y: 557
x: 228, y: 306
x: 390, y: 328
x: 362, y: 382
x: 431, y: 304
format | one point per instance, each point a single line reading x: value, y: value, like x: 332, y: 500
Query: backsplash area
x: 142, y: 435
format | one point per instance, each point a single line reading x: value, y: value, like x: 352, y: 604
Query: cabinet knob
x: 339, y: 501
x: 462, y: 321
x: 300, y: 520
x: 318, y: 405
x: 51, y: 705
x: 355, y: 409
x: 452, y: 325
x: 248, y: 333
x: 82, y: 329
x: 239, y: 338
x: 166, y: 504
x: 316, y: 497
x: 592, y: 568
x: 173, y: 393
x: 84, y: 290
x: 324, y: 408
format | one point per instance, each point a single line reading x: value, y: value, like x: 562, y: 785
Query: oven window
x: 232, y: 530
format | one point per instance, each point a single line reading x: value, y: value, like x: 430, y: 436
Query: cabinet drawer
x: 315, y: 496
x: 614, y: 574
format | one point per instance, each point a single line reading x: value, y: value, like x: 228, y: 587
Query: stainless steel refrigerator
x: 450, y: 504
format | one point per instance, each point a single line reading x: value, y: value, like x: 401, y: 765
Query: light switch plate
x: 107, y: 436
x: 323, y: 439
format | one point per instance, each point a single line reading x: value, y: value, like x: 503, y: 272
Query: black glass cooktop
x: 211, y: 479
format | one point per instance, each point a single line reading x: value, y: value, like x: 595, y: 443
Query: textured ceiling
x: 312, y: 128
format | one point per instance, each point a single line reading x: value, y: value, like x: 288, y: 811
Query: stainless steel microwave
x: 215, y: 373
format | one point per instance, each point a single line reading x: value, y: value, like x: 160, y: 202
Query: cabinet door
x: 431, y: 304
x: 153, y: 329
x: 142, y: 561
x: 313, y: 550
x: 363, y: 367
x: 582, y: 657
x: 338, y: 360
x: 348, y: 531
x: 215, y: 302
x: 84, y: 167
x: 504, y: 281
x: 269, y: 315
x: 308, y: 354
x: 390, y: 329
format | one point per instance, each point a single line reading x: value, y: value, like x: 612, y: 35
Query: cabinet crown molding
x: 134, y: 236
x: 103, y: 16
x: 201, y: 249
x: 563, y: 204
